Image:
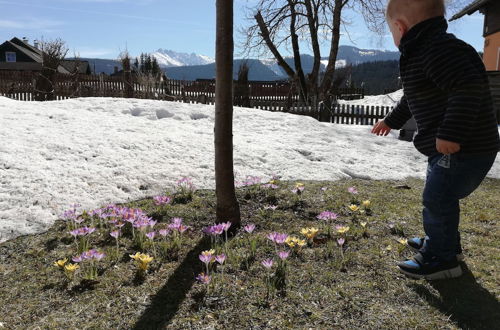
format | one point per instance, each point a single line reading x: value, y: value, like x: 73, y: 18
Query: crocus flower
x: 220, y: 258
x: 162, y: 200
x: 366, y: 203
x: 271, y: 207
x: 142, y: 260
x: 60, y: 263
x: 283, y: 255
x: 352, y: 190
x: 249, y: 228
x: 208, y: 252
x: 327, y: 215
x: 151, y: 235
x: 71, y: 268
x: 183, y: 228
x: 324, y: 188
x: 77, y: 258
x: 226, y: 225
x: 267, y: 263
x: 299, y: 187
x: 115, y: 234
x: 176, y: 222
x: 164, y: 232
x: 342, y: 229
x: 403, y: 241
x: 354, y: 207
x: 341, y: 241
x: 205, y: 258
x: 363, y: 224
x: 203, y: 278
x: 277, y: 238
x: 309, y: 233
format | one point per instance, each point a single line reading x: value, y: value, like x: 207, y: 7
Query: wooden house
x: 491, y: 30
x: 19, y: 55
x: 491, y: 34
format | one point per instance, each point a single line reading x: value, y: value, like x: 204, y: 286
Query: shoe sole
x: 460, y: 257
x: 441, y: 275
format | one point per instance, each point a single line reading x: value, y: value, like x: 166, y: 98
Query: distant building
x: 19, y: 55
x: 491, y: 30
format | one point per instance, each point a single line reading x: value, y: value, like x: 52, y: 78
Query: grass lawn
x: 326, y: 287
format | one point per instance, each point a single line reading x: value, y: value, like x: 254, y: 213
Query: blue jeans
x: 449, y: 179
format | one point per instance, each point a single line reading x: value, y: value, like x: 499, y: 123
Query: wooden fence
x: 270, y: 96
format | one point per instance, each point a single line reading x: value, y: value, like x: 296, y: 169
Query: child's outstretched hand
x: 447, y: 147
x: 380, y: 128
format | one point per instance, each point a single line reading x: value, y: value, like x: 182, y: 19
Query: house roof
x: 470, y: 9
x: 66, y: 66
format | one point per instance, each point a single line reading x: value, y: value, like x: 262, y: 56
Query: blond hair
x: 415, y: 11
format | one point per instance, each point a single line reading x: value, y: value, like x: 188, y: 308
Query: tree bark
x: 227, y: 205
x: 296, y: 53
x: 312, y: 21
x: 334, y: 48
x: 264, y: 32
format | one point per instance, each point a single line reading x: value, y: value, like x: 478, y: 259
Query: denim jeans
x: 449, y: 179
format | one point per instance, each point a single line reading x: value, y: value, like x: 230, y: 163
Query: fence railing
x: 270, y: 96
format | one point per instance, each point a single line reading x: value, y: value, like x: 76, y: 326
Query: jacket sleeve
x: 399, y: 115
x: 451, y: 65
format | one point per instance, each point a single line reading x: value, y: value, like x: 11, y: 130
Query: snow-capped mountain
x: 169, y: 58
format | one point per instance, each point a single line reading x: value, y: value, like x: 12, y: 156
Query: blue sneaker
x: 416, y: 244
x: 430, y: 268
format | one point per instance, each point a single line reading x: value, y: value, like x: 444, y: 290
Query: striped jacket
x: 446, y: 89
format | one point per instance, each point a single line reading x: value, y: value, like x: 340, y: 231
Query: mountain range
x: 184, y: 66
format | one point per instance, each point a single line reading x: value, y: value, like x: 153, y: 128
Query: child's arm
x: 395, y: 119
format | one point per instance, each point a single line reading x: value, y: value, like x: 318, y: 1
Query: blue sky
x: 104, y: 28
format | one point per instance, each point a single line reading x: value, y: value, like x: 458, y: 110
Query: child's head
x: 401, y: 15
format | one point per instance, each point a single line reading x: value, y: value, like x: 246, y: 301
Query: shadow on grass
x: 465, y: 301
x: 167, y: 300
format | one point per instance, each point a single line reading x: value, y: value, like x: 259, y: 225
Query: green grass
x: 324, y: 291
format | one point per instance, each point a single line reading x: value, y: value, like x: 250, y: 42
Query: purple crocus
x: 162, y: 200
x: 164, y: 232
x: 205, y: 258
x: 226, y: 225
x: 249, y: 228
x: 98, y: 255
x: 176, y: 222
x: 267, y: 263
x: 115, y: 234
x: 341, y: 241
x: 151, y: 235
x: 77, y: 259
x: 220, y: 258
x: 203, y: 278
x: 327, y: 215
x: 352, y: 190
x: 283, y: 255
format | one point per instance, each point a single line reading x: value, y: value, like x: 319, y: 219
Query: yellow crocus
x: 208, y: 252
x: 60, y: 263
x: 403, y: 241
x: 363, y: 224
x: 342, y: 229
x: 353, y: 207
x: 70, y: 268
x: 366, y: 203
x: 301, y: 243
x: 299, y: 184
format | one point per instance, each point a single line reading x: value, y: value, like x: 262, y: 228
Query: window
x: 10, y: 57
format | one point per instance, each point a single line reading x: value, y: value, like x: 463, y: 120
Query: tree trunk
x: 264, y: 32
x: 312, y: 21
x: 228, y: 208
x: 296, y: 53
x: 334, y: 48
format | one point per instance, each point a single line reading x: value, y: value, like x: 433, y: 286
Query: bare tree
x: 281, y: 24
x: 228, y: 208
x: 127, y: 74
x: 53, y: 54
